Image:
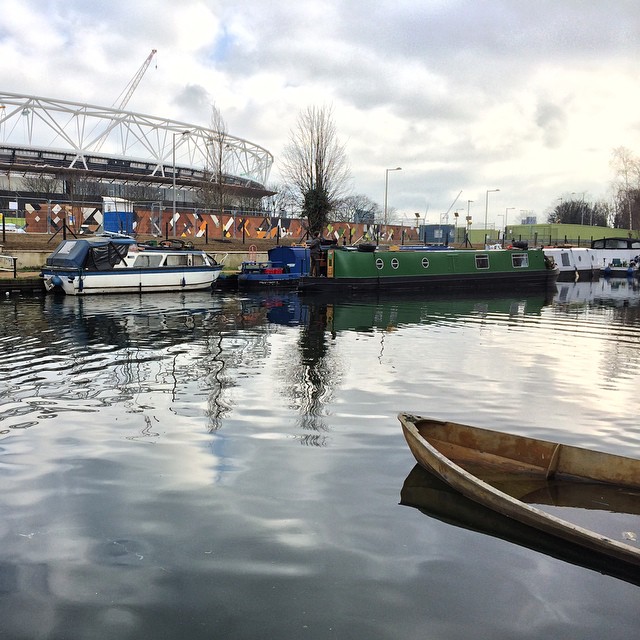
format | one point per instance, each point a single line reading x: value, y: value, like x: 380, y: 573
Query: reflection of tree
x: 315, y: 374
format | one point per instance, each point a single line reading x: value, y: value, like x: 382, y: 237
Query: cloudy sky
x: 529, y: 97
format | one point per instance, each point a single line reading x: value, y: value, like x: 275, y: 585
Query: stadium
x: 93, y: 168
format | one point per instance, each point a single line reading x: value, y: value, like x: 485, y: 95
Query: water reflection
x: 605, y: 292
x: 82, y: 354
x: 154, y: 484
x: 436, y: 499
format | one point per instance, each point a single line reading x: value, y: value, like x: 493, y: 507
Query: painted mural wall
x: 49, y: 218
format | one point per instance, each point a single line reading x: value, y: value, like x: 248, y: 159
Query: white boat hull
x: 131, y: 281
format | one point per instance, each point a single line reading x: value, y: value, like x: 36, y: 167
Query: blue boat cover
x: 97, y: 254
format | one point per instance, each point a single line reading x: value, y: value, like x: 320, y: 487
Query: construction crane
x: 96, y: 145
x: 134, y: 82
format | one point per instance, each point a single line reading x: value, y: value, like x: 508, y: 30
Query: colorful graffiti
x: 49, y: 218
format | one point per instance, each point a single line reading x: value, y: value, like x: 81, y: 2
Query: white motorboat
x: 118, y: 264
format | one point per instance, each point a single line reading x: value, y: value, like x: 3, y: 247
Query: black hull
x: 455, y: 283
x: 584, y: 275
x: 259, y: 285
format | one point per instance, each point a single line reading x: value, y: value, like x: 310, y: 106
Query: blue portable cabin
x: 118, y: 221
x: 285, y: 266
x: 294, y: 260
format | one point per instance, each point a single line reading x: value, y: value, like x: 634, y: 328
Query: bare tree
x: 43, y: 184
x: 626, y: 188
x: 356, y: 208
x: 212, y: 193
x: 315, y: 163
x: 283, y: 202
x: 574, y: 211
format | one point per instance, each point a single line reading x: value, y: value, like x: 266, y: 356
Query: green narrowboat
x: 443, y: 271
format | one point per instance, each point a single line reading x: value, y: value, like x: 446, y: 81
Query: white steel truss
x: 89, y: 131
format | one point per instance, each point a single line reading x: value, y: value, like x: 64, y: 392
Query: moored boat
x: 283, y: 269
x: 444, y: 271
x: 617, y: 257
x: 515, y: 475
x: 574, y: 263
x: 118, y: 264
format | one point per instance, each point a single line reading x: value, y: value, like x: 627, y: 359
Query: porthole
x: 425, y: 263
x: 379, y: 263
x: 394, y: 263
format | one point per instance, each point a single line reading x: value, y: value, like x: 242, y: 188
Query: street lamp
x: 176, y: 133
x: 386, y: 189
x: 573, y: 193
x: 486, y: 210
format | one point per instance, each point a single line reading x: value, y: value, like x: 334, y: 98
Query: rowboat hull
x: 502, y: 471
x: 436, y: 499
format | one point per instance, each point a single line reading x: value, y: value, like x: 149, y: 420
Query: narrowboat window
x: 482, y: 261
x: 520, y: 260
x: 564, y: 258
x: 147, y: 260
x: 176, y: 260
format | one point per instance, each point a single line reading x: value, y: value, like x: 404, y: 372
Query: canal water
x: 231, y: 466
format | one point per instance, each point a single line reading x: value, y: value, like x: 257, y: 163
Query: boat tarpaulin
x: 94, y: 255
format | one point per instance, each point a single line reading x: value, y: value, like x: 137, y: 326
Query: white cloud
x: 526, y: 97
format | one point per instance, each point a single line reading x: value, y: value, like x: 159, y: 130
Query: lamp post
x: 573, y: 193
x: 486, y: 211
x: 386, y: 189
x: 467, y: 241
x: 182, y: 133
x: 506, y: 213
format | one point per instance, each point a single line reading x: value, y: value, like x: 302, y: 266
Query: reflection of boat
x: 435, y: 498
x: 620, y: 292
x: 510, y: 474
x: 117, y: 264
x: 617, y: 257
x: 159, y: 320
x: 284, y: 267
x: 574, y: 263
x: 445, y: 271
x: 367, y: 312
x: 395, y: 311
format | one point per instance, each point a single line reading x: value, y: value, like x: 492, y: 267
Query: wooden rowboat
x: 586, y: 497
x: 436, y: 499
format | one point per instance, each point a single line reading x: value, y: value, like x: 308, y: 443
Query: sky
x: 466, y: 96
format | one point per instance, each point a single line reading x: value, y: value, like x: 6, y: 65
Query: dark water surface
x: 226, y: 466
